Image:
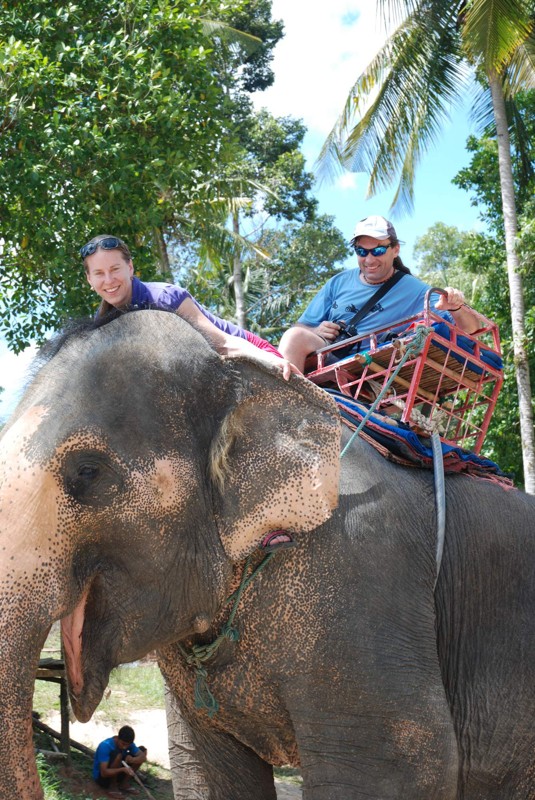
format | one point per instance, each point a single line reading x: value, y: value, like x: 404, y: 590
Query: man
x: 108, y: 769
x: 377, y: 248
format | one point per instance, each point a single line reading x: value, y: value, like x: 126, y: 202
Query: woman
x: 110, y: 273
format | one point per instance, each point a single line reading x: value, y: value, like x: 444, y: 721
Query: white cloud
x: 348, y: 180
x: 325, y: 48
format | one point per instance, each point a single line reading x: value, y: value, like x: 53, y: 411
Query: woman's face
x: 110, y: 276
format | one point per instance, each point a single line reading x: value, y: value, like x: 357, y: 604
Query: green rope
x: 199, y: 654
x: 415, y: 347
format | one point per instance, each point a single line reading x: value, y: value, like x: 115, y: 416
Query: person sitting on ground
x: 110, y: 273
x: 108, y: 768
x: 377, y: 248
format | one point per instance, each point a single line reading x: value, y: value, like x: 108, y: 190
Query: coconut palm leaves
x: 397, y: 107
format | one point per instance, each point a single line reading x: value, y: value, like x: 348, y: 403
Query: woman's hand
x: 288, y: 369
x: 228, y: 345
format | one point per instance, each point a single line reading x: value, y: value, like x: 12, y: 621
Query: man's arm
x: 464, y: 317
x: 113, y: 772
x: 300, y: 340
x: 138, y: 759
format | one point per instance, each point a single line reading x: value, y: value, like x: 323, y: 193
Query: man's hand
x: 464, y: 317
x: 452, y: 302
x: 328, y: 330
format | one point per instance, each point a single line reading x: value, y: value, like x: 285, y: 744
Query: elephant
x: 142, y: 474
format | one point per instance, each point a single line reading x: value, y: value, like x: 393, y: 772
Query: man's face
x: 122, y: 745
x: 110, y: 276
x: 376, y: 269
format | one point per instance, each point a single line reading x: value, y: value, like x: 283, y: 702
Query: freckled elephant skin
x: 126, y: 511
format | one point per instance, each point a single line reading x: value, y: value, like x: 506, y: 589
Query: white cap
x: 376, y: 227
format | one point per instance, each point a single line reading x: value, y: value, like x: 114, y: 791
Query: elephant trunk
x: 18, y: 663
x: 36, y: 589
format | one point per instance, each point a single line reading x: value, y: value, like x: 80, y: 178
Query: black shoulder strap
x: 381, y: 291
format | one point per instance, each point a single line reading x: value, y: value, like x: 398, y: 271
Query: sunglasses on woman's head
x: 110, y: 243
x: 362, y: 252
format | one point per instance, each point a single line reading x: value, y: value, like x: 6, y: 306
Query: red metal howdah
x: 451, y: 386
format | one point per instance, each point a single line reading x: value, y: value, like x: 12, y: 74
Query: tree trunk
x: 515, y: 285
x: 163, y: 256
x: 236, y: 273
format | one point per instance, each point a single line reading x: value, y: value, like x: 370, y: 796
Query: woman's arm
x: 228, y: 345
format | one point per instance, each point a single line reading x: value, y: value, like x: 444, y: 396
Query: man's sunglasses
x: 110, y: 243
x: 362, y: 252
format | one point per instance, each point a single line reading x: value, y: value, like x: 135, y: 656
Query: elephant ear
x: 276, y: 459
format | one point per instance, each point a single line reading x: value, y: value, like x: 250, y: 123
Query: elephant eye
x: 90, y: 478
x: 88, y: 472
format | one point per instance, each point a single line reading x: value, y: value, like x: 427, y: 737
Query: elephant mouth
x: 85, y: 690
x: 71, y: 631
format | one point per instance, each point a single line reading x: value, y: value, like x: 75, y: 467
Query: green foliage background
x: 111, y: 111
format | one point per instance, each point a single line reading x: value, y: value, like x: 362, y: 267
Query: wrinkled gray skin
x: 139, y: 471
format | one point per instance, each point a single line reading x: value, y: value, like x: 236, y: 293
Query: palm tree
x: 407, y: 91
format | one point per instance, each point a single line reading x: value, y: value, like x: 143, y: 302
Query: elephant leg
x: 209, y: 765
x: 370, y: 747
x: 186, y: 771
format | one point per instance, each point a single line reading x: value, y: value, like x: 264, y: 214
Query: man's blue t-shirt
x: 169, y: 296
x: 106, y: 750
x: 344, y: 294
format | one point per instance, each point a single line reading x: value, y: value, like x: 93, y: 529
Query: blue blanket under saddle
x: 398, y: 443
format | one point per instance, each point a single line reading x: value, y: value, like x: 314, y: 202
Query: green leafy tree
x: 482, y: 177
x: 302, y: 256
x: 271, y: 158
x: 247, y: 66
x: 485, y: 257
x: 263, y: 182
x: 439, y: 262
x: 406, y: 92
x: 111, y: 115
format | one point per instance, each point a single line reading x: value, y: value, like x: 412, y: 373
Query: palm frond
x: 492, y: 32
x: 523, y: 143
x: 396, y: 11
x: 481, y: 110
x: 416, y: 78
x: 333, y: 156
x: 520, y: 72
x: 230, y: 35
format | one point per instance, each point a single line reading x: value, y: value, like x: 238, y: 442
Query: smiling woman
x: 109, y: 270
x: 110, y: 273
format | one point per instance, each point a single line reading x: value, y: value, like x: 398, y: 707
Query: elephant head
x: 138, y: 468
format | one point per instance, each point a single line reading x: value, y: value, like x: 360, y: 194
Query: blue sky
x: 325, y: 48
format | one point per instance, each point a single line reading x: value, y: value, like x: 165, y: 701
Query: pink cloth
x: 261, y: 343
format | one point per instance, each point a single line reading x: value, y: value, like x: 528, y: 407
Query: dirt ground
x: 151, y: 731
